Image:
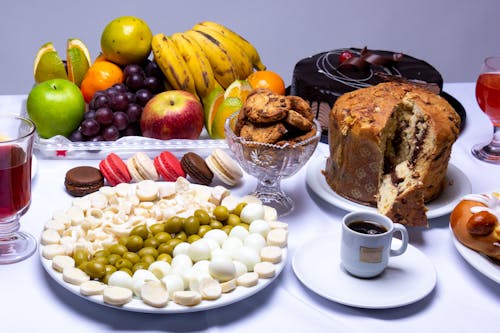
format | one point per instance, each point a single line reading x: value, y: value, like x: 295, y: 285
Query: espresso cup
x: 366, y: 243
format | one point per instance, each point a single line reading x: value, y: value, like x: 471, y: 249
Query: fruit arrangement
x: 154, y: 243
x: 194, y: 79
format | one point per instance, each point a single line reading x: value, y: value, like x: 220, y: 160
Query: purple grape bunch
x: 116, y: 111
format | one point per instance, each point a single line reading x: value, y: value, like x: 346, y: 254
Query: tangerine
x: 267, y: 79
x: 100, y: 76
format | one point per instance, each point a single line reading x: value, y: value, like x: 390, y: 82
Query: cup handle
x: 404, y: 239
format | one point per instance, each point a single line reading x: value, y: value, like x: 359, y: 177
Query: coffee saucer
x: 407, y: 279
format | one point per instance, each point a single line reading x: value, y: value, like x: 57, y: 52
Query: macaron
x: 224, y: 167
x: 196, y: 168
x: 141, y: 167
x: 114, y: 170
x: 168, y: 166
x: 83, y: 180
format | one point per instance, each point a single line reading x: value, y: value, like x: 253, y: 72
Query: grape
x: 130, y: 97
x: 152, y: 69
x: 96, y: 138
x: 153, y: 84
x: 143, y: 96
x: 134, y: 112
x: 132, y: 69
x: 118, y: 101
x: 135, y: 81
x: 111, y: 91
x: 89, y: 127
x: 110, y: 133
x: 104, y: 116
x: 131, y: 131
x: 120, y: 87
x: 76, y: 136
x: 120, y: 120
x: 90, y: 114
x: 100, y: 101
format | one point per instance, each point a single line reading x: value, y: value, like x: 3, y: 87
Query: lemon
x: 229, y: 106
x: 126, y: 40
x: 239, y: 89
x: 48, y: 65
x: 78, y: 60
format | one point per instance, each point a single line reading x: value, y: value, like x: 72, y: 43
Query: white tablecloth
x: 463, y: 300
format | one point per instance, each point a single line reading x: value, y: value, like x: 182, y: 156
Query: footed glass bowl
x: 269, y: 163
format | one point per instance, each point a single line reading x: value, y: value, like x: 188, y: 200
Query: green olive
x: 227, y: 228
x: 193, y: 238
x: 151, y: 242
x: 181, y: 235
x: 112, y: 258
x: 148, y: 259
x: 95, y: 269
x: 80, y: 256
x: 141, y: 231
x: 238, y: 208
x: 157, y: 228
x: 132, y: 257
x: 203, y: 230
x: 244, y: 225
x: 191, y: 225
x: 123, y: 263
x: 164, y: 257
x: 233, y: 219
x: 141, y: 265
x: 123, y: 240
x: 214, y: 224
x: 105, y: 278
x: 171, y: 244
x: 148, y: 251
x: 102, y: 260
x: 163, y: 237
x: 83, y: 266
x: 110, y: 269
x: 203, y: 216
x: 134, y: 243
x: 173, y: 225
x: 221, y: 213
x: 117, y: 249
x: 126, y: 270
x: 101, y: 253
x: 163, y: 248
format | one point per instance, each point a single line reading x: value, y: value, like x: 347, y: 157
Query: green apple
x: 56, y: 107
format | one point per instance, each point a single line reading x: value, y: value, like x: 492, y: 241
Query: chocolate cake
x: 322, y: 78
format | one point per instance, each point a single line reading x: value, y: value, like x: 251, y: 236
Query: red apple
x: 173, y: 114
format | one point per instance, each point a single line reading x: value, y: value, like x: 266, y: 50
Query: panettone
x: 389, y: 147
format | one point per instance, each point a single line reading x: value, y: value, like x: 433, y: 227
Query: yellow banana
x: 219, y: 58
x: 172, y: 64
x: 197, y: 62
x: 242, y: 42
x: 241, y: 60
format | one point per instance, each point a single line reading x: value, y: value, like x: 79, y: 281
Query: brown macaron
x: 196, y: 168
x: 83, y: 180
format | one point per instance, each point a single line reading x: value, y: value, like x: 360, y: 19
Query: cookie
x: 224, y: 167
x: 168, y: 166
x: 196, y: 168
x: 114, y: 170
x: 83, y: 180
x: 141, y: 167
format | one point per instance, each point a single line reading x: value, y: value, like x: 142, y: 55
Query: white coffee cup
x: 365, y: 254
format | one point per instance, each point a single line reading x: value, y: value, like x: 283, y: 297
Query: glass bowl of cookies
x: 272, y: 137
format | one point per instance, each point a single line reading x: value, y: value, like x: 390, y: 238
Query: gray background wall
x: 453, y: 35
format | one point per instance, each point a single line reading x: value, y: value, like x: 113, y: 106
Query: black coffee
x: 367, y: 227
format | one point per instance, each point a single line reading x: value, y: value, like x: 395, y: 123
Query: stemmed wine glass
x: 16, y: 146
x: 488, y: 98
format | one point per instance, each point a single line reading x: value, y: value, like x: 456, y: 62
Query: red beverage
x: 15, y: 180
x: 488, y: 95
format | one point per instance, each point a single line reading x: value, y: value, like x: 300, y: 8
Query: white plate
x: 482, y: 263
x: 34, y: 166
x: 456, y: 186
x: 137, y: 305
x: 407, y: 279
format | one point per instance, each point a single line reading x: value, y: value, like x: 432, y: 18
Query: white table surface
x: 462, y: 301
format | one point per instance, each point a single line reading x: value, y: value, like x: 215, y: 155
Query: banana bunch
x: 205, y: 57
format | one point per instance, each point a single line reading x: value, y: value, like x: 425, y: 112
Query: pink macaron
x: 114, y: 170
x: 168, y: 166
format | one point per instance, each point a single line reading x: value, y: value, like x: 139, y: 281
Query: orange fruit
x: 101, y: 75
x: 267, y: 79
